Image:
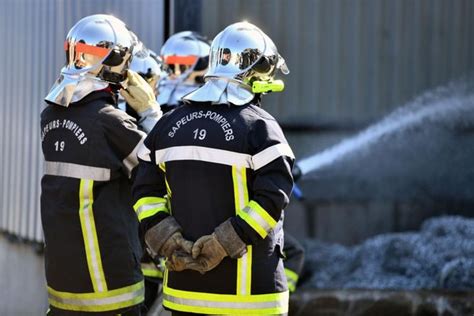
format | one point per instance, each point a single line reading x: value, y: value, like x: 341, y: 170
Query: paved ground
x: 22, y: 290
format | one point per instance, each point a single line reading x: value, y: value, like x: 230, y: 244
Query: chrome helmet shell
x: 185, y: 58
x: 241, y: 54
x: 98, y: 51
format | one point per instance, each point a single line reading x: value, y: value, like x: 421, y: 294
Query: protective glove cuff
x: 159, y: 234
x: 230, y: 240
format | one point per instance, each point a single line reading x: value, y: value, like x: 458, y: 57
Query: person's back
x: 217, y: 171
x: 89, y: 225
x: 92, y: 247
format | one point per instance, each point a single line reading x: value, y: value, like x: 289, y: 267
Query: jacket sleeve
x: 270, y: 183
x: 123, y: 135
x: 149, y: 188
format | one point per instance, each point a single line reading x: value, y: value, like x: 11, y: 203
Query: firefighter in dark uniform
x: 92, y: 248
x: 213, y: 207
x: 185, y: 57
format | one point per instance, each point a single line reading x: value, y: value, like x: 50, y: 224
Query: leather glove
x: 138, y: 93
x: 174, y: 243
x: 210, y: 250
x: 181, y: 260
x: 165, y: 237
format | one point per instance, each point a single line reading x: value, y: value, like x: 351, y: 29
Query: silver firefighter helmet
x: 98, y: 50
x: 243, y: 61
x: 147, y: 64
x: 185, y: 58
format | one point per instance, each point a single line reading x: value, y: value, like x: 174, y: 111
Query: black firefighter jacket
x: 90, y: 229
x: 204, y: 164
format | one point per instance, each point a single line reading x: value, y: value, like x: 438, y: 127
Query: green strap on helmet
x: 267, y: 86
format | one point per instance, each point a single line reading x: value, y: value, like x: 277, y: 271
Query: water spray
x: 429, y: 106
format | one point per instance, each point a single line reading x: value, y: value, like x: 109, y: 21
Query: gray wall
x: 32, y: 54
x: 353, y: 61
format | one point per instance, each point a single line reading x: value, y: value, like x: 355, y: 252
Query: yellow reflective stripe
x: 292, y: 279
x: 257, y: 218
x: 264, y: 214
x: 243, y: 172
x: 147, y: 201
x: 98, y: 302
x: 152, y: 211
x: 207, y: 303
x: 235, y: 181
x: 152, y: 273
x: 151, y: 270
x: 168, y: 189
x: 244, y: 263
x: 162, y: 166
x: 149, y: 206
x: 244, y: 273
x: 89, y: 233
x: 253, y: 223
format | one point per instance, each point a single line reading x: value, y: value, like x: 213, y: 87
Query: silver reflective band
x: 271, y: 153
x: 147, y: 207
x: 225, y: 157
x: 279, y: 303
x: 72, y: 170
x: 98, y: 301
x: 131, y: 161
x: 256, y: 216
x: 206, y: 154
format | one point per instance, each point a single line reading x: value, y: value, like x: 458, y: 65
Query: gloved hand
x: 165, y: 238
x: 138, y: 94
x: 209, y: 250
x: 175, y: 243
x: 181, y: 260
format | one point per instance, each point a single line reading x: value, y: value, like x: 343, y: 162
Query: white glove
x: 138, y: 94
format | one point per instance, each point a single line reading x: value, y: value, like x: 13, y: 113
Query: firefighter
x: 92, y: 247
x: 185, y: 58
x: 213, y: 207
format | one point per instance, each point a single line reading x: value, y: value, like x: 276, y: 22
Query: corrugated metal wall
x: 353, y: 61
x: 31, y: 55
